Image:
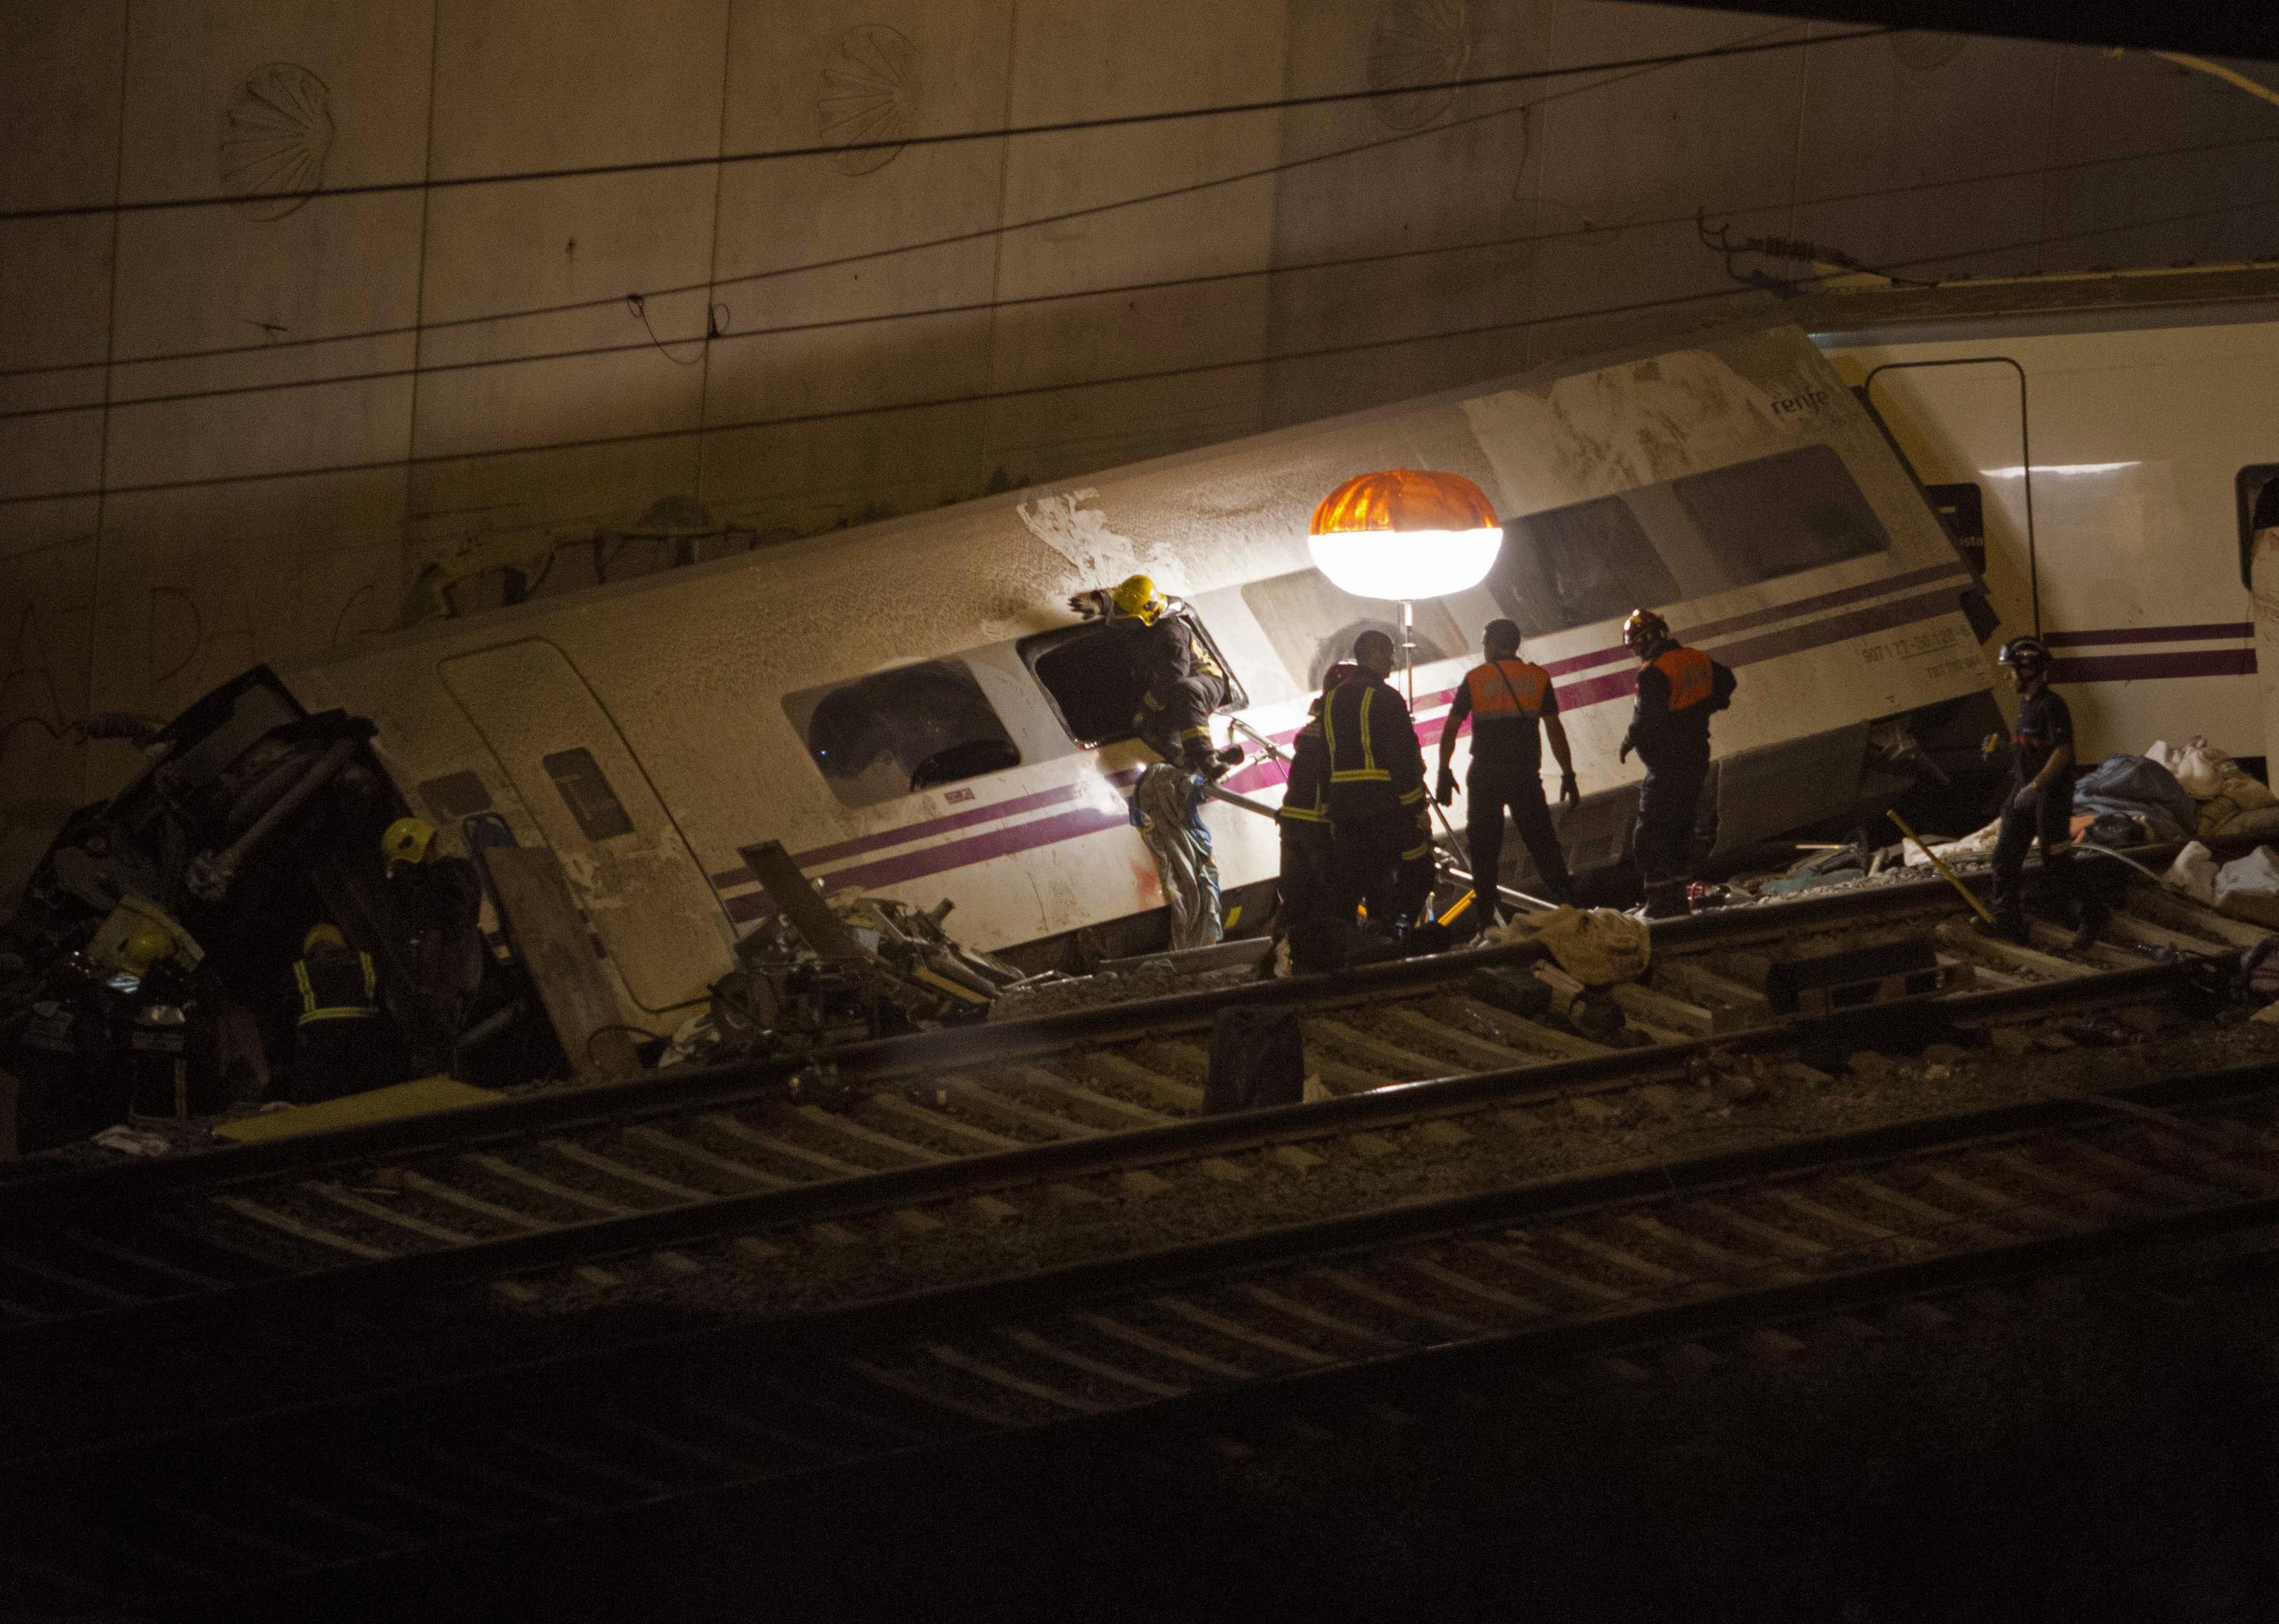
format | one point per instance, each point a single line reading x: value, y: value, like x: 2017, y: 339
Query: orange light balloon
x: 1404, y: 499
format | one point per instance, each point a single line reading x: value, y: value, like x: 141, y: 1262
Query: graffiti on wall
x: 276, y: 133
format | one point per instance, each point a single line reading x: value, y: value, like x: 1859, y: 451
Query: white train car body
x: 904, y: 709
x: 2108, y: 437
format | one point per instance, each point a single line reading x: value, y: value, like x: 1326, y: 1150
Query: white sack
x: 2193, y: 873
x: 2248, y: 887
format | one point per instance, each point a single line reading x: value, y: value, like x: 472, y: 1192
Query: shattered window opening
x: 2258, y: 488
x: 1094, y: 684
x: 586, y: 791
x: 896, y: 732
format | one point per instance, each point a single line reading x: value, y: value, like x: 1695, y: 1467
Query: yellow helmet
x: 146, y: 944
x: 1138, y: 598
x: 328, y: 935
x: 407, y: 840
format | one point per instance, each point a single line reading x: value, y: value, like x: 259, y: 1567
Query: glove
x: 1092, y: 605
x: 1624, y: 754
x: 1445, y: 791
x: 1569, y: 791
x: 2027, y: 799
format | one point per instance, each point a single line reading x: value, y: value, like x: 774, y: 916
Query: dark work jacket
x: 1678, y: 691
x: 1304, y: 797
x: 2045, y: 722
x: 1376, y: 765
x: 336, y: 984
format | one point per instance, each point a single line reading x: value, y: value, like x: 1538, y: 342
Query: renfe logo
x: 1811, y: 400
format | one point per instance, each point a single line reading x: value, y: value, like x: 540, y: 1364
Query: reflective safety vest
x: 1693, y: 676
x: 1506, y: 689
x: 335, y: 985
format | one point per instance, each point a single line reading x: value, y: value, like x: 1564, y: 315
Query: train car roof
x: 2068, y: 303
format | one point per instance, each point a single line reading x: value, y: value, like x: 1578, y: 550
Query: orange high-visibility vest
x: 1692, y: 676
x: 1506, y: 689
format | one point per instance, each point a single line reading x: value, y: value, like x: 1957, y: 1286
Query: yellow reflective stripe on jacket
x: 1304, y: 815
x: 1368, y: 771
x: 312, y: 1011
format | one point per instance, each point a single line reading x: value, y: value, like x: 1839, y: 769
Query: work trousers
x: 1662, y: 841
x: 2050, y: 819
x: 1385, y: 860
x: 1309, y: 921
x: 1176, y: 725
x: 1487, y: 796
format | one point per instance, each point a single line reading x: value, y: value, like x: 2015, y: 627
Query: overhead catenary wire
x: 1061, y: 127
x: 990, y: 397
x: 717, y: 330
x: 711, y: 284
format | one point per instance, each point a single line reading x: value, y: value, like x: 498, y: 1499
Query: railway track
x: 585, y: 1173
x: 1184, y: 1336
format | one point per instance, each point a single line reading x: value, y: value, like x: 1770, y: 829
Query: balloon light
x: 1405, y: 534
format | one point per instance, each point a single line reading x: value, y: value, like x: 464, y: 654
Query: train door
x: 578, y: 777
x: 1963, y: 426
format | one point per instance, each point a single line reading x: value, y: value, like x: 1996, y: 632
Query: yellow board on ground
x: 374, y: 1105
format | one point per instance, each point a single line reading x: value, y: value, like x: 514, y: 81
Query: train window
x: 2258, y: 488
x: 1088, y: 673
x: 1570, y: 566
x: 1777, y: 515
x: 586, y: 791
x: 897, y: 731
x: 454, y: 796
x: 1312, y: 625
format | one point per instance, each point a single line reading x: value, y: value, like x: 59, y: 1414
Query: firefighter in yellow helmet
x: 1182, y: 685
x: 438, y: 906
x: 340, y: 1043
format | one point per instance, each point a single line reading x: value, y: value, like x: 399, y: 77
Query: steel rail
x: 26, y: 1197
x: 567, y: 1405
x: 728, y: 1350
x: 600, y: 1239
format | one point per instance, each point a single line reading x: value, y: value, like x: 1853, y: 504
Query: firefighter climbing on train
x: 1513, y: 709
x: 1678, y: 690
x: 2039, y: 803
x: 1309, y: 923
x: 439, y: 901
x: 1181, y: 683
x: 340, y: 1040
x: 1381, y: 851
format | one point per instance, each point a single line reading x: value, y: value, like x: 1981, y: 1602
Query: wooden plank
x: 1517, y: 1031
x: 1406, y: 1064
x: 794, y: 893
x: 2182, y: 913
x: 551, y: 937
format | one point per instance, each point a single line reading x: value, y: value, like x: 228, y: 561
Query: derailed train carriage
x: 911, y: 712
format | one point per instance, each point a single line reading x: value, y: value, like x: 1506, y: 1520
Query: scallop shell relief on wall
x: 1416, y: 42
x: 870, y: 97
x: 275, y: 136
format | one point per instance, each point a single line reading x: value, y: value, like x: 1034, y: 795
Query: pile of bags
x: 2229, y: 801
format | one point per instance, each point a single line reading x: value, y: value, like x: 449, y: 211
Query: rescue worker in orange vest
x: 1382, y: 845
x: 1309, y: 924
x: 1678, y: 690
x: 1182, y: 684
x: 1512, y: 708
x: 339, y: 1046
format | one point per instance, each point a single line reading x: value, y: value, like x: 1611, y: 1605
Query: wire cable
x: 716, y: 327
x: 868, y: 255
x: 990, y: 397
x: 1064, y: 126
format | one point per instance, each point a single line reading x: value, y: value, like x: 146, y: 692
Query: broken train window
x: 1094, y: 683
x: 898, y: 731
